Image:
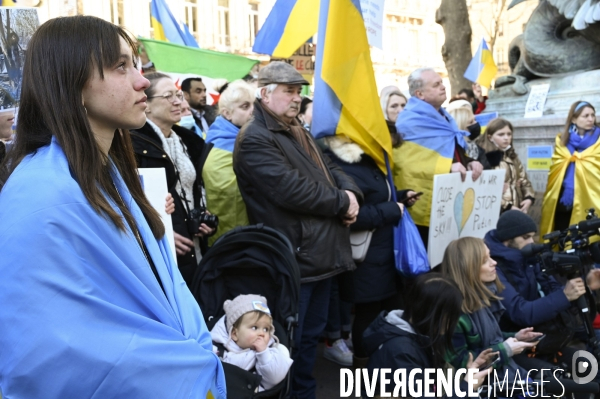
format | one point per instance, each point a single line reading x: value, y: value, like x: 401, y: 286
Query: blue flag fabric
x: 422, y: 124
x: 167, y: 28
x: 83, y: 315
x: 222, y: 134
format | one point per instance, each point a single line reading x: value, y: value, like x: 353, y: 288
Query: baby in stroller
x: 246, y: 333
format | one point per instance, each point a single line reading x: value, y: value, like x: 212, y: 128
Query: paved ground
x: 327, y: 374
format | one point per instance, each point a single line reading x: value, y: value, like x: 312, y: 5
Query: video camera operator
x: 531, y: 297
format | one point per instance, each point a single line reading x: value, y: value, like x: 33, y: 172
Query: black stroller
x: 251, y: 260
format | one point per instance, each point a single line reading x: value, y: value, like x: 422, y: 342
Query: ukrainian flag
x: 482, y: 68
x: 167, y: 28
x: 346, y: 99
x: 289, y: 25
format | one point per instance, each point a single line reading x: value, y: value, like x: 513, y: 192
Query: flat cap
x: 280, y: 72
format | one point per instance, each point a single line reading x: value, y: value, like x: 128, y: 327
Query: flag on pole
x: 346, y: 99
x: 482, y: 68
x: 289, y: 25
x: 167, y: 28
x: 174, y: 58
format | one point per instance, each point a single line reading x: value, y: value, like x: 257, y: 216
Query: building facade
x: 411, y: 37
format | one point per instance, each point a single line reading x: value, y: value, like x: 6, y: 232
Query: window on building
x: 253, y: 21
x: 191, y: 17
x: 223, y: 23
x: 116, y: 12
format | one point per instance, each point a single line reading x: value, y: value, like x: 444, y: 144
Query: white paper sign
x: 536, y: 101
x: 154, y: 183
x: 462, y: 209
x: 372, y: 11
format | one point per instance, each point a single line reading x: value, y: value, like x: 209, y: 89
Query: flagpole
x: 479, y: 63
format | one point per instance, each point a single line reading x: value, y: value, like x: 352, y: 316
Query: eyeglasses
x: 170, y: 96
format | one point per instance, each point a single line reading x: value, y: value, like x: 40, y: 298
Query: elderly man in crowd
x: 288, y: 184
x: 433, y: 143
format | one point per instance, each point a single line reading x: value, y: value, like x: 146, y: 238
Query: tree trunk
x: 453, y: 15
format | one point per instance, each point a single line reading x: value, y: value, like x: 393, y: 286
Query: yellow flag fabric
x: 346, y: 97
x: 223, y: 197
x: 587, y: 183
x: 414, y: 168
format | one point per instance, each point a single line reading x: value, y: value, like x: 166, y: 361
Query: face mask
x: 474, y: 131
x: 187, y: 122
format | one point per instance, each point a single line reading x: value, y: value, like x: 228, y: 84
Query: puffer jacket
x: 150, y: 154
x: 519, y: 186
x: 375, y: 278
x: 284, y: 189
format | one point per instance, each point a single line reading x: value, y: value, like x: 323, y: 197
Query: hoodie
x: 392, y: 343
x: 522, y: 279
x: 272, y: 364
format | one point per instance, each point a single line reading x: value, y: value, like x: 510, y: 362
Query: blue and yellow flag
x: 167, y: 28
x: 289, y: 25
x: 482, y: 68
x: 346, y: 100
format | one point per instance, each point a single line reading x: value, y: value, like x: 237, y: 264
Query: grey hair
x: 270, y: 89
x: 415, y: 81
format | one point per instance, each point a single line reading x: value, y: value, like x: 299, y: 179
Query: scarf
x: 485, y: 323
x: 177, y: 151
x: 304, y: 138
x: 579, y: 144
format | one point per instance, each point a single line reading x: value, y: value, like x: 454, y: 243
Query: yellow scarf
x: 587, y: 183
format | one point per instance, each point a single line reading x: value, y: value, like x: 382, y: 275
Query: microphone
x: 532, y: 249
x: 588, y: 225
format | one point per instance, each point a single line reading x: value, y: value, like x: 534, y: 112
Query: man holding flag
x: 433, y: 143
x: 289, y: 185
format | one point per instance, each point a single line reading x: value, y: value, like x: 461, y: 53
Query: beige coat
x: 517, y: 186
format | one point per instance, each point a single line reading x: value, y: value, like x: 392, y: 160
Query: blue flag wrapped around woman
x: 83, y: 315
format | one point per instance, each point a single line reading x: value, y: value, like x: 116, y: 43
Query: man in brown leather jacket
x: 288, y: 184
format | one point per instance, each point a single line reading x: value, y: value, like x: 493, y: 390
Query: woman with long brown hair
x: 92, y: 300
x: 574, y: 178
x: 468, y: 263
x: 497, y: 142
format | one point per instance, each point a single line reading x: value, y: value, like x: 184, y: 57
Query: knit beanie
x: 242, y: 304
x: 514, y: 224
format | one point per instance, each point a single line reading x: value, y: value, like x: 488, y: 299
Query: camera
x: 198, y: 216
x: 578, y: 258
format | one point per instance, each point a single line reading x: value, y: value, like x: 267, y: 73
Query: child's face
x: 253, y: 333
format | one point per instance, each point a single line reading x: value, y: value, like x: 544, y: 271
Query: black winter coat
x: 394, y: 348
x: 285, y: 189
x: 374, y: 278
x: 149, y: 153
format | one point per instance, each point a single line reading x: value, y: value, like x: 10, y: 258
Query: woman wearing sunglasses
x: 160, y: 143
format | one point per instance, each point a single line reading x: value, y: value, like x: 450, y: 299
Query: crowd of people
x: 90, y: 287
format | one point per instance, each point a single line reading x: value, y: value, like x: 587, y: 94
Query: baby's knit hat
x: 242, y: 304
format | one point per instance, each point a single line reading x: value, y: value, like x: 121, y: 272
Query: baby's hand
x: 260, y: 344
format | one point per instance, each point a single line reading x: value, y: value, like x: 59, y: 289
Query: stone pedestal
x: 563, y: 92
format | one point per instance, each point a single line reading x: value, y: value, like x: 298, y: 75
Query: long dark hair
x: 61, y: 58
x: 433, y: 310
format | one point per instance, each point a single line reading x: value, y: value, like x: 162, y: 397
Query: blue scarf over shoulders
x: 421, y: 123
x: 223, y: 134
x: 83, y: 315
x: 579, y: 144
